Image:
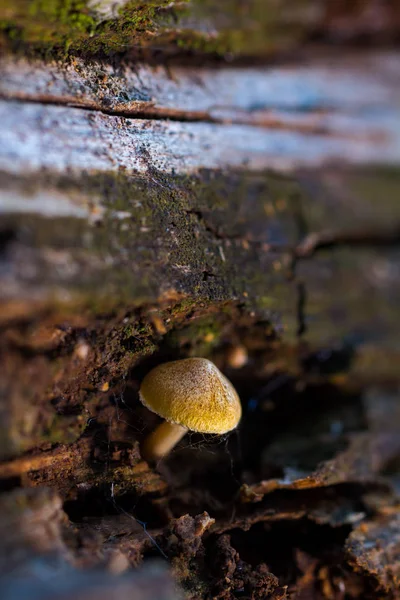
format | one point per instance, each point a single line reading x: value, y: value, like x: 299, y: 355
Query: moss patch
x: 58, y: 28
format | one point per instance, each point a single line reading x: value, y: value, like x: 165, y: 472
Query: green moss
x: 46, y: 25
x: 57, y: 28
x: 67, y: 13
x: 60, y: 27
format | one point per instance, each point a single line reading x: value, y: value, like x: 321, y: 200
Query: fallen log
x: 163, y: 197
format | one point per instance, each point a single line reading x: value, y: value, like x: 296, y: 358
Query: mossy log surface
x: 153, y: 211
x: 187, y: 29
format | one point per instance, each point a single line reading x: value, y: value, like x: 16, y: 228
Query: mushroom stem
x: 162, y: 440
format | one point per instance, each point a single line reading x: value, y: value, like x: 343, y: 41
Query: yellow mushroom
x: 190, y: 394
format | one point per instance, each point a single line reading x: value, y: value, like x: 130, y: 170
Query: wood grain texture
x: 58, y: 138
x: 318, y: 84
x: 280, y: 118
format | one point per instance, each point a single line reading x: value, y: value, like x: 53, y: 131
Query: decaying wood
x: 192, y: 204
x: 375, y: 548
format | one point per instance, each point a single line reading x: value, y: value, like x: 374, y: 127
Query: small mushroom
x: 190, y: 394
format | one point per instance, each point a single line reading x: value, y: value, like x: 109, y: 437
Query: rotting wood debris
x: 299, y: 502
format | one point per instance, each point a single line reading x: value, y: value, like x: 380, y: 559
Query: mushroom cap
x: 193, y: 393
